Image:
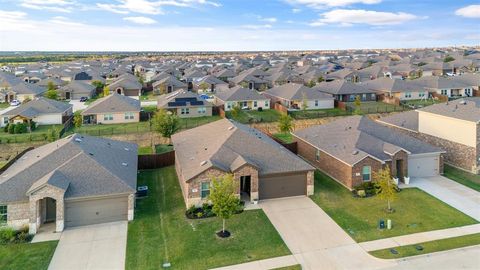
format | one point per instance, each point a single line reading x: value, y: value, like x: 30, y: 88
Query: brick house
x: 262, y: 168
x: 352, y: 148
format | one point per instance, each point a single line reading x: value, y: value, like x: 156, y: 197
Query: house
x: 294, y: 95
x: 453, y: 126
x: 253, y: 78
x: 346, y: 91
x: 112, y: 109
x: 210, y: 84
x: 76, y: 89
x: 127, y: 85
x: 42, y: 111
x: 77, y: 180
x: 185, y: 104
x: 449, y: 87
x: 262, y: 168
x: 397, y: 88
x: 245, y: 98
x: 167, y: 84
x: 351, y: 149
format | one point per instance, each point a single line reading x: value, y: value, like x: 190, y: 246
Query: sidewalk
x: 416, y: 238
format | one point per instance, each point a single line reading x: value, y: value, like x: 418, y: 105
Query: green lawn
x: 163, y: 148
x: 309, y: 114
x: 375, y: 107
x: 292, y: 267
x: 429, y: 247
x: 4, y: 105
x: 145, y: 150
x: 2, y: 163
x: 467, y: 179
x: 161, y: 233
x: 415, y: 211
x: 39, y: 134
x: 419, y: 103
x: 285, y: 137
x: 27, y: 256
x: 148, y: 96
x: 253, y: 116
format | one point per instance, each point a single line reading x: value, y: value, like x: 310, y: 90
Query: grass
x: 253, y: 116
x: 161, y: 233
x: 429, y: 247
x: 465, y: 178
x: 415, y: 211
x: 291, y: 267
x: 2, y: 163
x: 4, y: 105
x: 309, y: 114
x: 163, y: 148
x: 148, y: 96
x: 39, y: 134
x: 375, y: 107
x: 418, y: 103
x: 27, y: 256
x: 284, y: 137
x: 145, y: 150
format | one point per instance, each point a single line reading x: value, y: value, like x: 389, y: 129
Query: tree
x: 77, y: 119
x: 50, y: 86
x: 203, y: 86
x: 311, y: 83
x: 98, y: 84
x: 165, y: 123
x: 448, y: 58
x: 358, y: 105
x: 285, y: 123
x: 304, y: 103
x: 223, y: 198
x: 106, y: 91
x: 387, y: 190
x: 53, y: 134
x: 51, y: 94
x: 263, y: 87
x: 320, y: 79
x: 244, y: 84
x: 236, y: 110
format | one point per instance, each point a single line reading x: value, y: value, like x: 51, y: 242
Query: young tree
x: 51, y: 94
x: 106, y: 91
x: 98, y: 84
x: 223, y: 198
x: 204, y: 86
x: 244, y: 84
x: 77, y: 119
x: 285, y: 123
x: 165, y: 123
x: 53, y: 134
x: 50, y: 86
x: 387, y: 190
x: 304, y: 103
x: 320, y: 79
x: 236, y: 110
x: 358, y: 105
x: 311, y: 83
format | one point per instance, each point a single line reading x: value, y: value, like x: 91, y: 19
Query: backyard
x: 27, y: 256
x: 465, y: 178
x: 309, y: 114
x: 375, y: 107
x: 415, y: 211
x: 159, y: 149
x: 161, y: 233
x: 252, y: 116
x: 419, y: 103
x: 39, y: 134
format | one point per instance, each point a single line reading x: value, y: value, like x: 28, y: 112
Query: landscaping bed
x: 415, y: 211
x: 161, y: 233
x: 206, y: 211
x: 428, y: 247
x: 465, y: 178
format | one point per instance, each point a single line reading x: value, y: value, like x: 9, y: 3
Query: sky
x: 235, y: 25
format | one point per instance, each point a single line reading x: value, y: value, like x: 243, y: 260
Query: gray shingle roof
x: 38, y: 107
x: 228, y: 145
x: 466, y: 109
x: 295, y: 91
x: 239, y: 94
x: 92, y: 166
x: 113, y: 103
x: 341, y: 87
x: 406, y: 120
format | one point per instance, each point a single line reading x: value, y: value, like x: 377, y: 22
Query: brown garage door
x: 87, y: 212
x: 286, y: 185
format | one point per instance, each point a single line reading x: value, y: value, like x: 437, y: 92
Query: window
x: 266, y: 103
x: 468, y: 92
x: 444, y: 92
x: 185, y: 111
x: 316, y: 103
x: 129, y: 116
x: 364, y: 97
x: 317, y: 155
x: 372, y: 96
x: 5, y: 120
x: 408, y: 95
x: 205, y: 189
x: 351, y: 97
x: 421, y: 94
x: 254, y: 103
x: 366, y: 173
x: 3, y: 214
x: 107, y: 117
x: 202, y: 110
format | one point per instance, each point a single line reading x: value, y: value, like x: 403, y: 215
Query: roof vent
x: 126, y: 149
x: 230, y: 128
x: 203, y: 163
x: 124, y: 164
x: 91, y: 154
x: 355, y: 152
x: 78, y: 139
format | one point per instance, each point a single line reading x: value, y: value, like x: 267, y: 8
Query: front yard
x: 27, y: 256
x: 161, y: 233
x: 465, y: 178
x: 415, y: 211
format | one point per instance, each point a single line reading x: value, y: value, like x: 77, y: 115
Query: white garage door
x: 423, y: 166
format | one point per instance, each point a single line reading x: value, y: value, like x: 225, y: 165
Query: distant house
x: 209, y: 84
x: 401, y: 89
x: 293, y: 96
x: 20, y: 91
x: 351, y: 149
x: 449, y: 87
x: 75, y: 181
x: 185, y: 104
x: 42, y: 111
x: 112, y: 109
x: 253, y: 78
x: 76, y: 90
x: 167, y: 84
x: 244, y: 98
x: 346, y: 91
x: 127, y: 85
x: 262, y: 168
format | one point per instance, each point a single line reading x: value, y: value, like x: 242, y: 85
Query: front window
x: 352, y: 97
x: 364, y: 96
x: 201, y: 110
x: 372, y: 96
x: 129, y: 116
x: 255, y: 103
x: 107, y: 117
x: 3, y: 215
x: 185, y: 111
x: 317, y: 155
x: 366, y: 173
x: 408, y: 95
x: 444, y: 92
x: 266, y: 103
x: 5, y: 120
x: 205, y: 189
x: 316, y: 103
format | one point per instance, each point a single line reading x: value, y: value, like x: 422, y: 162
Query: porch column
x: 59, y: 224
x: 33, y: 216
x: 310, y: 181
x: 131, y: 206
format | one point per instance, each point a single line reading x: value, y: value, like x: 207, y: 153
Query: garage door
x: 279, y: 186
x: 423, y: 166
x: 79, y: 213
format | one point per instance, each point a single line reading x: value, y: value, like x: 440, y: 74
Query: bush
x: 20, y: 128
x: 5, y: 128
x: 11, y: 128
x: 7, y: 235
x: 33, y: 125
x: 366, y: 189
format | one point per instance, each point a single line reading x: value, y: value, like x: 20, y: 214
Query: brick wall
x: 357, y: 178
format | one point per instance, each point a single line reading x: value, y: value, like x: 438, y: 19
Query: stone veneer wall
x: 51, y: 192
x: 18, y: 215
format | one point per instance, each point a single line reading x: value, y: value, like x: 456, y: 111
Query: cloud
x: 270, y: 20
x: 60, y: 20
x: 472, y: 11
x: 140, y: 20
x: 50, y: 5
x: 150, y: 7
x: 257, y: 26
x: 348, y: 17
x: 331, y: 3
x: 296, y: 10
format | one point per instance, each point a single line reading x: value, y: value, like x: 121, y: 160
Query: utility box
x: 389, y: 224
x: 381, y: 224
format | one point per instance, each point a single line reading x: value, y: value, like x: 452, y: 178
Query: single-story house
x: 262, y: 168
x: 294, y: 95
x: 397, y: 88
x: 346, y: 91
x: 238, y: 96
x: 78, y: 180
x: 127, y: 85
x: 42, y: 111
x: 449, y: 87
x: 167, y: 84
x: 76, y: 90
x: 21, y: 92
x: 351, y: 149
x: 210, y: 84
x: 185, y: 104
x: 112, y: 109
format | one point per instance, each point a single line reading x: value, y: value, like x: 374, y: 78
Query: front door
x: 245, y: 184
x: 67, y: 95
x: 399, y: 167
x: 51, y: 209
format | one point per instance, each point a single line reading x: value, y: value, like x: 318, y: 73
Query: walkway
x: 456, y: 195
x: 101, y: 246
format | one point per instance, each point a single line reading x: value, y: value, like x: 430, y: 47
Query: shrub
x: 7, y: 235
x: 20, y: 128
x: 11, y: 128
x: 33, y: 125
x: 5, y: 128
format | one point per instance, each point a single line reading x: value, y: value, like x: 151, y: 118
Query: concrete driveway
x: 101, y: 246
x: 456, y: 195
x: 315, y: 240
x: 77, y: 105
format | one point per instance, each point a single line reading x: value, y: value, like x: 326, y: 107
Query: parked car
x: 15, y: 103
x: 83, y: 99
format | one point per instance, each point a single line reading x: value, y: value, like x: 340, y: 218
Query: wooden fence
x: 155, y: 161
x: 280, y: 108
